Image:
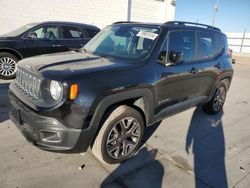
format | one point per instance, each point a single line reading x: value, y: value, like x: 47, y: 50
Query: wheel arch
x: 226, y: 78
x: 139, y: 99
x: 12, y: 51
x: 227, y: 81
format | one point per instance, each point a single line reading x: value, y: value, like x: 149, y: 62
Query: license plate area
x: 24, y: 127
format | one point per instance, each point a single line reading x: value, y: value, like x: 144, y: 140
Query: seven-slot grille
x: 28, y: 83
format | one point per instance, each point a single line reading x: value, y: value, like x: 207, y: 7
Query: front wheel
x: 8, y: 65
x: 120, y: 135
x: 215, y: 105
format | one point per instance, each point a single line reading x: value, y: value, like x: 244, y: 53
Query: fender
x: 227, y: 74
x: 13, y: 50
x: 224, y: 75
x: 109, y: 100
x: 146, y: 103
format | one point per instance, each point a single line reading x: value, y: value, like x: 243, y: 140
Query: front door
x: 177, y: 81
x: 42, y: 40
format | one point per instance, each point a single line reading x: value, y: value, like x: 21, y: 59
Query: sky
x: 232, y: 15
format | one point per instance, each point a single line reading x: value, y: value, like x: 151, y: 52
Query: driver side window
x: 179, y: 46
x: 182, y: 42
x: 46, y: 32
x: 38, y: 33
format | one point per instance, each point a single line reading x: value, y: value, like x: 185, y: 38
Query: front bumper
x: 48, y: 133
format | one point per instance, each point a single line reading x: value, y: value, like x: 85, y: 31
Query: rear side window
x: 209, y: 45
x: 221, y: 43
x: 182, y: 41
x: 71, y: 32
x: 91, y: 32
x: 206, y: 45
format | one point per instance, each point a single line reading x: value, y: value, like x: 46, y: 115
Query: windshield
x: 20, y: 30
x: 123, y: 41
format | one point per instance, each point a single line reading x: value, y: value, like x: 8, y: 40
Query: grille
x: 28, y: 83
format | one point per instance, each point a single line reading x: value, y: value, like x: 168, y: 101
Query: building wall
x: 152, y: 10
x: 15, y: 13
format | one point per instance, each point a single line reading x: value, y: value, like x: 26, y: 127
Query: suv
x: 129, y: 76
x: 41, y: 38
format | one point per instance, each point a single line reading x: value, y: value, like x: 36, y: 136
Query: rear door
x: 209, y: 47
x: 73, y: 37
x: 44, y: 40
x: 177, y: 82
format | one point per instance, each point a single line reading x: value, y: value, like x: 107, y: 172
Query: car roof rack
x: 191, y: 24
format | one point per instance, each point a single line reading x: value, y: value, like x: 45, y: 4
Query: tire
x: 8, y: 65
x: 215, y: 105
x: 123, y: 126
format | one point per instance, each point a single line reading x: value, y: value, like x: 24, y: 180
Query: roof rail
x: 191, y: 24
x: 124, y: 22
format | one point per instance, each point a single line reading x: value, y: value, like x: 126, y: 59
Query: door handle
x: 193, y: 70
x: 56, y: 45
x: 218, y: 66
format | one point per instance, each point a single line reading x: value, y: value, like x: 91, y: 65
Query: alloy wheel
x: 7, y: 66
x: 123, y: 138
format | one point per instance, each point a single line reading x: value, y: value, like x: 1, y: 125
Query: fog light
x: 51, y: 136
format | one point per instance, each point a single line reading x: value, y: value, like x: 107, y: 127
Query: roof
x: 139, y: 23
x: 176, y: 24
x: 69, y: 23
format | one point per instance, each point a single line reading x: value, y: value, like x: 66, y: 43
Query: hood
x: 63, y: 66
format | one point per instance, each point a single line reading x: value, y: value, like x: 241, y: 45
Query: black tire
x: 215, y: 105
x: 107, y: 139
x: 11, y: 60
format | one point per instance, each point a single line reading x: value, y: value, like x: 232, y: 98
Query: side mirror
x: 32, y: 35
x: 175, y: 57
x: 162, y: 57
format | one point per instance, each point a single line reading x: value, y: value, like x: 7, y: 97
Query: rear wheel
x: 120, y: 135
x: 215, y: 105
x: 8, y: 65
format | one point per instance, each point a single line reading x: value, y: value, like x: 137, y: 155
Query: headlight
x: 56, y: 90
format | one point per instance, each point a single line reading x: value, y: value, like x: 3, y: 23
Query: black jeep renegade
x: 129, y: 76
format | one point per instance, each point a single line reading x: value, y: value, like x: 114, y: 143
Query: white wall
x: 152, y: 11
x: 15, y: 13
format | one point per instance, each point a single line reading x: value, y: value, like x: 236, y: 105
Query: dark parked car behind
x: 41, y: 38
